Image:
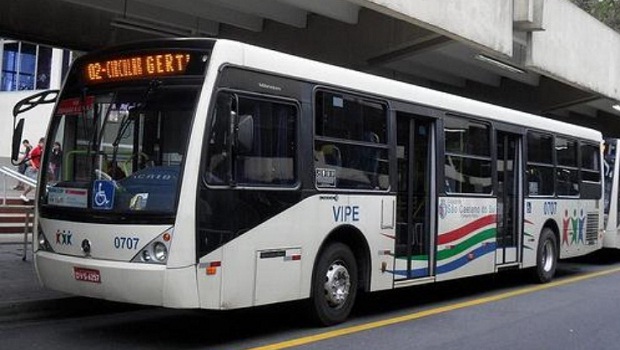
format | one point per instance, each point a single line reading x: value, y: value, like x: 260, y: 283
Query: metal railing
x: 12, y: 173
x: 29, y: 212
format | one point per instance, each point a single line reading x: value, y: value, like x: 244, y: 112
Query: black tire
x: 334, y: 285
x: 546, y: 256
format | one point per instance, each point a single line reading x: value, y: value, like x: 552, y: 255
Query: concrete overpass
x: 545, y: 57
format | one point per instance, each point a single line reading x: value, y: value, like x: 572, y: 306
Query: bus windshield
x: 119, y: 150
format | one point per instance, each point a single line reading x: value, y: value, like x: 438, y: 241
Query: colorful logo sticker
x: 573, y: 228
x: 64, y: 237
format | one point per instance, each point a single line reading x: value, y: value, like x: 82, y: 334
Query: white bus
x: 612, y: 195
x: 213, y: 174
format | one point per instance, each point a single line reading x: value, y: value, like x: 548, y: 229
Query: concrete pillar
x: 56, y: 71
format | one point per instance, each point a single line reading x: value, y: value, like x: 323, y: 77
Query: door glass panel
x: 413, y: 230
x: 507, y: 197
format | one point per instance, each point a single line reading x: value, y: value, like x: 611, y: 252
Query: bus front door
x: 413, y: 258
x: 509, y: 197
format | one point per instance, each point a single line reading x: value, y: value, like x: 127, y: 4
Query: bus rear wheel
x: 334, y: 285
x: 546, y: 256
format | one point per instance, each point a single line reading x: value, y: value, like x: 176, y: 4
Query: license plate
x: 87, y: 275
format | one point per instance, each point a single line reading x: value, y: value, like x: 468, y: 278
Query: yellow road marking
x: 409, y: 317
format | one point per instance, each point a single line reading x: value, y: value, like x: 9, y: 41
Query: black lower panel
x: 228, y: 213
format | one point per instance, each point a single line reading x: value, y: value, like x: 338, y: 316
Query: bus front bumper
x: 135, y: 283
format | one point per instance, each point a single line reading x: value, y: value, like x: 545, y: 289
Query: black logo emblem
x: 86, y: 246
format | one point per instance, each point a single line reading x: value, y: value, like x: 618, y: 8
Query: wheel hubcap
x: 548, y: 256
x: 337, y: 284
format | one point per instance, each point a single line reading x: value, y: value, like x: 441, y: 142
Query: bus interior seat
x: 329, y: 155
x: 268, y: 170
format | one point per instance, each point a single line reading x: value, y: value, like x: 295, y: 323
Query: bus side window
x: 351, y: 137
x: 467, y: 163
x: 533, y: 180
x: 540, y: 167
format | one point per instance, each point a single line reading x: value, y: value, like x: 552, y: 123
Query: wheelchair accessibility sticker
x: 103, y: 194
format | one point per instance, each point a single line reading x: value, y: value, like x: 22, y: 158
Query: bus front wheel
x: 546, y: 256
x: 334, y: 285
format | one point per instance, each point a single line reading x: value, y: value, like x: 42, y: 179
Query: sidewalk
x: 21, y: 295
x: 20, y: 291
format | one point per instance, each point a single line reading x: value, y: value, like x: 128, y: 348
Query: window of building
x: 27, y: 67
x: 467, y: 166
x: 24, y: 66
x: 44, y: 68
x: 10, y: 68
x: 350, y: 147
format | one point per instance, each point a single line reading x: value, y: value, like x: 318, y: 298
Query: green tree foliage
x: 607, y: 11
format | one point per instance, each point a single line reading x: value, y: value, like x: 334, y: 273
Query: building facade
x: 27, y: 68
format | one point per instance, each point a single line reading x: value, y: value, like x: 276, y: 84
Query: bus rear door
x: 509, y: 197
x: 413, y: 230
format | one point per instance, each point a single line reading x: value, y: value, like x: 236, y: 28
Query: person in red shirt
x: 34, y: 164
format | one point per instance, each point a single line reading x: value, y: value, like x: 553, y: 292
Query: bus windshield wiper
x: 83, y: 116
x: 153, y: 85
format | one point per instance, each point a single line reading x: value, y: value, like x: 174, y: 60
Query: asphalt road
x: 579, y: 311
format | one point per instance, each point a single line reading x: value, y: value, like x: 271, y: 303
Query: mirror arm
x: 24, y: 105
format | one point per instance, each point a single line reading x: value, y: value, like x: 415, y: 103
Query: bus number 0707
x: 126, y: 242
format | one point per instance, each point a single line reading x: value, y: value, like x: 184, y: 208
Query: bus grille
x: 592, y: 228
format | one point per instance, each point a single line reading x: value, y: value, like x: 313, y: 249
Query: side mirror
x: 245, y: 133
x: 24, y: 105
x: 17, y: 139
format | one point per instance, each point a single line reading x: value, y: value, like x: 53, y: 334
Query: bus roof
x: 306, y: 69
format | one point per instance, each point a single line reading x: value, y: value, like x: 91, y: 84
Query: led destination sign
x: 136, y: 67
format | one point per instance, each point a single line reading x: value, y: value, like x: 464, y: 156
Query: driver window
x: 262, y: 150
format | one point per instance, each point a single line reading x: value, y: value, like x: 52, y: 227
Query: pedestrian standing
x: 23, y: 163
x: 34, y: 163
x: 55, y: 161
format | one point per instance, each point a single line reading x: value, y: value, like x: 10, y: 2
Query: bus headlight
x: 156, y: 251
x: 160, y: 251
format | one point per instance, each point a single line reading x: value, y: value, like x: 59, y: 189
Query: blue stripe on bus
x: 451, y: 266
x: 464, y: 260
